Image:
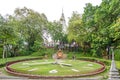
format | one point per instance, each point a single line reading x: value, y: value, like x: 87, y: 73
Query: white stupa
x: 113, y: 74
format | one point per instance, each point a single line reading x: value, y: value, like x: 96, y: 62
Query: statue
x: 58, y: 57
x: 59, y: 54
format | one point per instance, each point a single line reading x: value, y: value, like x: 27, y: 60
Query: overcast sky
x: 51, y: 8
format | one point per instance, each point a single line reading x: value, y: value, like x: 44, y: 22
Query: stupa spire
x: 62, y: 21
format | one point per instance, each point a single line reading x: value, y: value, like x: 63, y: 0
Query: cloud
x: 51, y: 8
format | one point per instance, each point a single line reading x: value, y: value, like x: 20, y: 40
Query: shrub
x: 117, y: 54
x: 107, y: 62
x: 44, y: 51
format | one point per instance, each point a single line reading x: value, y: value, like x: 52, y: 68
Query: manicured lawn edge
x: 12, y: 71
x: 3, y: 62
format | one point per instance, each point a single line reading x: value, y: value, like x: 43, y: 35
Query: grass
x: 6, y: 60
x: 82, y: 67
x: 118, y: 64
x: 104, y: 74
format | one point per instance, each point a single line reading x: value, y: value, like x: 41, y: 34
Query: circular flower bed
x: 48, y: 68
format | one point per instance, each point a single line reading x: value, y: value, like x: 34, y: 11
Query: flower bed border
x: 31, y: 76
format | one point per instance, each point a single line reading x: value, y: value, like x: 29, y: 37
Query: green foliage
x: 24, y: 52
x: 75, y: 28
x: 97, y: 29
x: 55, y: 30
x: 102, y: 25
x: 7, y: 36
x: 77, y: 32
x: 117, y: 54
x: 106, y: 62
x: 118, y: 64
x: 76, y: 54
x: 37, y: 46
x: 44, y: 51
x: 30, y: 26
x: 114, y: 31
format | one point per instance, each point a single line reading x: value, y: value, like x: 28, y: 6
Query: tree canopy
x: 97, y: 29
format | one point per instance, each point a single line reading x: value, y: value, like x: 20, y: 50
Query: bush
x: 118, y: 64
x: 117, y: 54
x: 77, y: 54
x: 44, y: 51
x: 107, y: 62
x: 24, y: 53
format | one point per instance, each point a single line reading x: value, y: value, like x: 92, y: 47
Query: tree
x: 7, y: 36
x: 98, y: 20
x: 76, y: 31
x: 75, y: 28
x: 30, y: 26
x: 55, y: 30
x: 115, y: 32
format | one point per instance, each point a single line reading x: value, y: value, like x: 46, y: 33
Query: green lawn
x: 104, y: 74
x: 5, y: 60
x: 43, y: 67
x: 118, y: 64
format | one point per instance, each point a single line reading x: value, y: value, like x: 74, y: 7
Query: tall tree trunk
x: 5, y: 51
x: 108, y: 52
x: 3, y: 54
